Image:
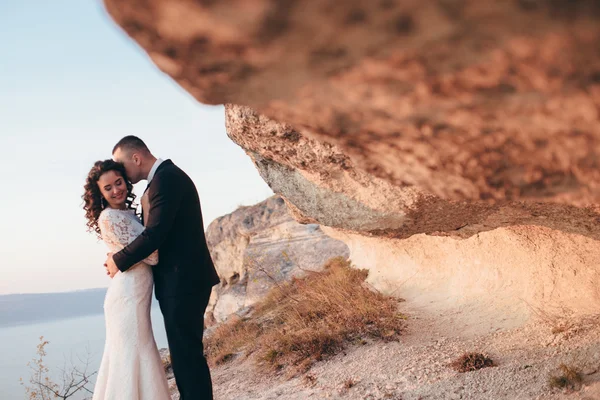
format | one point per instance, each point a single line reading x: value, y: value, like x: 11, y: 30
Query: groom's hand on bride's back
x: 111, y: 267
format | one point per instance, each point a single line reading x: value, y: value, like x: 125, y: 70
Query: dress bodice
x: 121, y: 227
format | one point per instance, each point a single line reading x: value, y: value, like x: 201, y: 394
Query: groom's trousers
x: 184, y: 323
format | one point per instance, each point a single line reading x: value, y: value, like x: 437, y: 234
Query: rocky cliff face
x: 257, y: 247
x: 493, y: 264
x: 459, y: 138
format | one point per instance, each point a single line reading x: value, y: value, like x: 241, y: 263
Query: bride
x: 131, y: 367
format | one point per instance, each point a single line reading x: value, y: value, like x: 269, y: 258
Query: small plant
x: 42, y: 387
x: 471, y: 362
x: 349, y: 383
x: 557, y: 322
x: 569, y: 378
x: 309, y: 380
x: 224, y: 358
x: 560, y: 328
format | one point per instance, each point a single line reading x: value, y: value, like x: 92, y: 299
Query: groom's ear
x: 136, y: 159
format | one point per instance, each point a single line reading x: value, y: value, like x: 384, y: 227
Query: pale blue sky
x: 71, y: 85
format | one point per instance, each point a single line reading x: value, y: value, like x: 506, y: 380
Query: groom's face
x: 132, y: 163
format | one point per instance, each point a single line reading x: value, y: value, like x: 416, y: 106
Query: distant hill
x: 19, y: 309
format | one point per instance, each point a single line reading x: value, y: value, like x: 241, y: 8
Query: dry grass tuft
x: 569, y: 378
x: 234, y: 336
x: 307, y: 319
x: 349, y: 383
x: 309, y: 380
x: 471, y: 362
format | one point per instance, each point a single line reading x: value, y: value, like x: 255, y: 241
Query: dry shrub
x: 309, y: 380
x: 76, y: 380
x: 569, y: 378
x: 309, y: 318
x: 471, y: 362
x: 349, y: 383
x: 227, y: 339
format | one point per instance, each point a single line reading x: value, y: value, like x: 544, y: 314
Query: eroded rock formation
x: 461, y: 99
x: 257, y: 247
x: 448, y: 130
x: 474, y: 259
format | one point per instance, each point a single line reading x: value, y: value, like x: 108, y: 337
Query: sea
x: 73, y: 325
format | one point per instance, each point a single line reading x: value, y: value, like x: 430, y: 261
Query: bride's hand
x: 111, y: 267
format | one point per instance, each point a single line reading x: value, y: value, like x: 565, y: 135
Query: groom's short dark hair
x: 131, y: 143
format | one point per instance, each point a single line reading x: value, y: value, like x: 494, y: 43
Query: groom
x: 185, y: 273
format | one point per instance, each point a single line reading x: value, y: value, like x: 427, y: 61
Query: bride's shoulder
x: 115, y: 214
x: 107, y: 214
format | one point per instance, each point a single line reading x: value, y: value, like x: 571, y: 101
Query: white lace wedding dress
x: 131, y: 368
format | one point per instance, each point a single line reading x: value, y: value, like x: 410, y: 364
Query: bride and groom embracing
x: 166, y: 248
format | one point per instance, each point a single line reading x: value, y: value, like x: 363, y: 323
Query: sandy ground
x: 416, y: 367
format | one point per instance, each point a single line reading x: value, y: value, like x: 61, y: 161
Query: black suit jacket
x: 174, y: 228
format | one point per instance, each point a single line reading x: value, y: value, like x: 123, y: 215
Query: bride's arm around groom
x: 164, y: 201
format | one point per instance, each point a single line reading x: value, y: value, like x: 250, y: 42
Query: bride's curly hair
x: 93, y: 201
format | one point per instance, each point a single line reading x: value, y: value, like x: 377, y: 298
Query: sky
x: 71, y: 85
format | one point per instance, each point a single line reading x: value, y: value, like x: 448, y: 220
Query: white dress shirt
x: 153, y: 170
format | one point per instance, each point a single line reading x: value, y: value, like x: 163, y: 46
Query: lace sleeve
x: 118, y: 231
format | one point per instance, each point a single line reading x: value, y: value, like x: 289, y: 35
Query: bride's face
x: 114, y: 189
